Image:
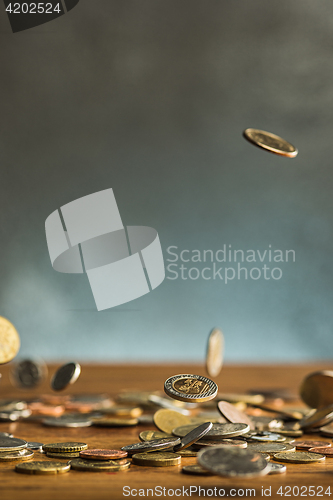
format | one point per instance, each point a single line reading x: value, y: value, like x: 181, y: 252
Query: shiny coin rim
x: 195, y: 398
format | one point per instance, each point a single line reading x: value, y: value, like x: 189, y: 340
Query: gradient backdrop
x: 150, y: 98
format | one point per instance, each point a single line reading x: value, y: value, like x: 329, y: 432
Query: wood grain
x: 104, y: 485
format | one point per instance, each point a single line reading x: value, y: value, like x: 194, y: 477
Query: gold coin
x: 9, y: 341
x: 271, y: 448
x: 153, y: 459
x: 270, y: 142
x: 150, y: 435
x: 190, y: 388
x: 67, y: 456
x: 98, y: 466
x: 115, y: 422
x: 317, y: 389
x: 214, y: 356
x: 188, y: 452
x: 299, y: 457
x: 68, y: 447
x: 166, y: 420
x: 11, y: 456
x: 42, y: 467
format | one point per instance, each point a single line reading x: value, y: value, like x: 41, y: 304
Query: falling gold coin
x: 214, y: 356
x: 270, y: 142
x: 9, y: 341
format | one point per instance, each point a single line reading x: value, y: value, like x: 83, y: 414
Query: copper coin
x: 306, y: 445
x: 99, y: 454
x: 38, y: 408
x: 233, y: 415
x: 328, y: 451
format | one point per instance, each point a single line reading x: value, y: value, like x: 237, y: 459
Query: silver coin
x: 12, y: 405
x: 19, y: 455
x: 11, y: 444
x: 233, y: 462
x: 6, y: 434
x: 195, y: 470
x: 153, y: 445
x: 28, y: 373
x: 277, y: 468
x: 34, y: 445
x: 67, y: 421
x: 65, y: 375
x: 202, y: 443
x: 193, y: 436
x: 266, y: 436
x: 220, y: 431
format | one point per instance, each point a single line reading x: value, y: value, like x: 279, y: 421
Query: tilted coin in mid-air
x: 317, y: 389
x: 270, y: 142
x: 214, y: 355
x: 28, y: 373
x: 166, y: 420
x: 9, y: 341
x: 190, y: 388
x: 65, y: 375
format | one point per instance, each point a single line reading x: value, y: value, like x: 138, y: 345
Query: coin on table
x: 11, y: 444
x: 320, y: 418
x: 67, y: 421
x: 160, y: 459
x: 10, y: 456
x: 317, y: 389
x: 42, y: 467
x: 115, y: 422
x: 166, y: 420
x: 9, y: 341
x: 271, y: 448
x: 220, y: 442
x: 28, y: 373
x: 268, y: 437
x: 306, y: 445
x: 65, y: 375
x: 67, y: 447
x: 214, y: 355
x: 193, y: 436
x: 270, y: 142
x: 327, y: 430
x: 234, y: 415
x: 149, y: 435
x: 99, y: 465
x: 266, y: 456
x: 233, y: 462
x: 221, y: 431
x: 290, y: 432
x: 328, y: 452
x: 190, y: 388
x: 196, y: 470
x: 298, y: 457
x: 154, y: 445
x: 277, y: 469
x: 188, y: 452
x: 67, y: 456
x: 183, y: 430
x: 123, y: 411
x: 101, y: 454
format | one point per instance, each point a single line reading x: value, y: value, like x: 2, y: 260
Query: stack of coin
x: 67, y: 450
x: 12, y: 449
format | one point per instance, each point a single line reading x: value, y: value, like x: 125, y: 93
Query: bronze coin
x: 233, y: 415
x: 306, y: 445
x: 328, y: 452
x: 99, y: 454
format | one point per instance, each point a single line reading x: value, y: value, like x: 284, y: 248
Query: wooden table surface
x: 102, y: 485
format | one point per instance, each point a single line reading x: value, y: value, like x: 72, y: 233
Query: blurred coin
x: 233, y: 415
x: 317, y: 389
x: 274, y: 393
x: 233, y: 462
x: 266, y: 456
x: 28, y: 373
x: 115, y: 422
x: 34, y: 445
x: 54, y: 399
x: 9, y: 416
x: 68, y: 421
x: 12, y: 405
x: 6, y: 434
x: 321, y: 417
x: 154, y: 445
x: 11, y: 456
x: 42, y: 467
x: 266, y: 436
x: 161, y: 459
x: 123, y: 411
x: 11, y: 444
x: 277, y: 468
x: 100, y: 454
x: 193, y: 436
x: 149, y: 435
x: 220, y: 431
x: 190, y: 388
x: 221, y: 442
x: 67, y: 456
x: 243, y: 398
x: 270, y: 142
x: 298, y: 457
x: 214, y: 355
x: 98, y: 466
x: 188, y: 452
x: 182, y: 430
x: 328, y: 451
x: 284, y: 431
x: 67, y: 447
x: 306, y: 445
x: 65, y: 375
x: 146, y: 419
x: 38, y: 408
x: 168, y: 404
x: 271, y: 448
x: 195, y: 470
x: 327, y: 430
x: 290, y: 414
x: 262, y: 422
x: 166, y: 420
x: 9, y: 341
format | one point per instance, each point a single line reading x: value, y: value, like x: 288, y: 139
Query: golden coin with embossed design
x: 299, y: 457
x: 190, y: 388
x: 270, y: 142
x: 166, y: 420
x: 153, y: 459
x: 214, y: 356
x: 68, y: 447
x: 150, y: 435
x: 9, y: 341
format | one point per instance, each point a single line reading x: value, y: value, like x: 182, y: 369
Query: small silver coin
x: 6, y: 434
x: 265, y: 436
x: 233, y: 462
x: 11, y: 444
x: 28, y: 373
x: 67, y: 421
x: 34, y: 446
x: 277, y: 468
x: 220, y: 442
x: 220, y: 431
x: 65, y: 375
x: 19, y: 455
x: 153, y: 445
x: 193, y: 436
